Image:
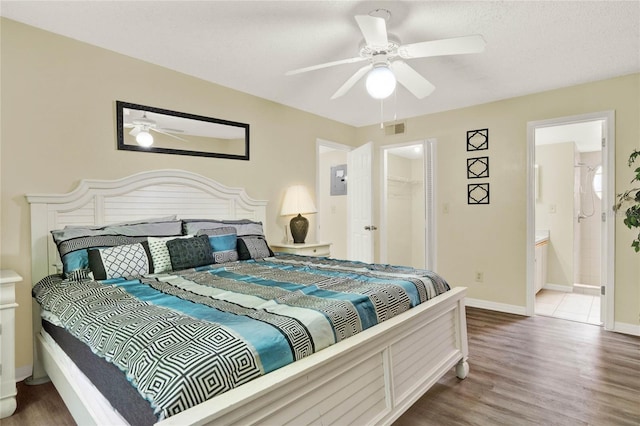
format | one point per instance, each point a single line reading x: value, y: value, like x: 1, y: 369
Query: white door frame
x: 608, y: 199
x: 429, y: 152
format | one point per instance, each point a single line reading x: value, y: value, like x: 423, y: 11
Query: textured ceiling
x: 532, y: 46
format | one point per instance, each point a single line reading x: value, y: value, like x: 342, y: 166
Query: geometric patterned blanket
x: 185, y: 337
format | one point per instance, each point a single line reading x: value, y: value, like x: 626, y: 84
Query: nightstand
x: 305, y: 249
x: 8, y: 304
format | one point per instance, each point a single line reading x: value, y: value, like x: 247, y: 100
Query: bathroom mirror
x: 150, y: 129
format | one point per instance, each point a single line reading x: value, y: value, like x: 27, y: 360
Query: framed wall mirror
x: 150, y: 129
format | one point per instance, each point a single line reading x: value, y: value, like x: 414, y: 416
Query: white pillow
x: 160, y: 253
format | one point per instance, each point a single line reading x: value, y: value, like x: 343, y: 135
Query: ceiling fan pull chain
x: 381, y: 114
x: 395, y: 105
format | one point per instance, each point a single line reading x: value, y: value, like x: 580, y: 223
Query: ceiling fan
x: 142, y: 126
x: 386, y: 58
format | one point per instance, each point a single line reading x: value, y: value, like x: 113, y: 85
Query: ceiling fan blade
x: 169, y: 130
x: 134, y: 132
x: 449, y: 46
x: 373, y: 29
x: 409, y: 78
x: 326, y: 65
x: 351, y: 81
x: 168, y: 134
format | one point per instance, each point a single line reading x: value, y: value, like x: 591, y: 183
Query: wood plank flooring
x: 537, y: 371
x: 524, y: 371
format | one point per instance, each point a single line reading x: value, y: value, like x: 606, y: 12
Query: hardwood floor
x: 524, y: 371
x: 39, y: 406
x: 537, y: 371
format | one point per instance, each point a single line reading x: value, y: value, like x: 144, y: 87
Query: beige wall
x: 405, y: 211
x: 588, y: 271
x: 417, y: 213
x: 332, y: 209
x: 492, y: 238
x: 555, y: 209
x: 399, y: 211
x: 58, y: 126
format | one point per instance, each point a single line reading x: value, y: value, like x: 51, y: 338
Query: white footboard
x: 371, y: 378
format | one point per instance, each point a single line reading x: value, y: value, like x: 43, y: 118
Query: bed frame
x: 370, y: 378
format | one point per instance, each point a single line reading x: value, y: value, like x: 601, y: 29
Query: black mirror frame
x: 120, y: 106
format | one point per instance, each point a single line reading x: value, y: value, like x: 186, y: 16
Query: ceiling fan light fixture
x: 144, y: 139
x: 380, y: 82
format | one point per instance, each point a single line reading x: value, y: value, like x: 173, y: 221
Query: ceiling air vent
x: 394, y: 129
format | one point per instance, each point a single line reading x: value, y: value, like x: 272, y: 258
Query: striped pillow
x: 224, y: 242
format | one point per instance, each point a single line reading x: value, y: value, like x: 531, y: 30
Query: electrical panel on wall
x: 339, y: 180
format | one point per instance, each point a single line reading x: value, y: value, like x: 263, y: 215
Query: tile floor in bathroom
x: 581, y: 305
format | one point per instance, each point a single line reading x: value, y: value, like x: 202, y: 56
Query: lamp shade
x: 144, y: 138
x: 297, y: 201
x: 380, y: 82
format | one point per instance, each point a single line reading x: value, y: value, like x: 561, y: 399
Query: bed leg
x: 38, y: 375
x: 462, y: 368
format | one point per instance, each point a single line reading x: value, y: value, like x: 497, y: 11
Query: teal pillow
x: 224, y: 242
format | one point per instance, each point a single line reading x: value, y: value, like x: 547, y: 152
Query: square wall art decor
x: 477, y: 140
x: 478, y: 193
x: 477, y: 167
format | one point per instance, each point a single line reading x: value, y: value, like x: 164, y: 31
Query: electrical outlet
x: 479, y: 276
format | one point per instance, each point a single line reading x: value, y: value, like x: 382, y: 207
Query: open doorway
x: 407, y: 234
x: 570, y: 264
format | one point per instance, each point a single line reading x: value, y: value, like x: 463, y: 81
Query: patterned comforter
x: 186, y: 337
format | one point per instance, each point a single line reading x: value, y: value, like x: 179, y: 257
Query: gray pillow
x: 190, y: 252
x: 253, y: 248
x: 242, y: 226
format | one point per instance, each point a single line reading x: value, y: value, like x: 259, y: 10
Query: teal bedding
x: 184, y: 337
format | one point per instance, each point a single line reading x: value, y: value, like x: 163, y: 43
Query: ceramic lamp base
x: 299, y: 226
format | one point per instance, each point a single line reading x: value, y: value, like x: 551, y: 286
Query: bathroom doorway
x: 570, y: 195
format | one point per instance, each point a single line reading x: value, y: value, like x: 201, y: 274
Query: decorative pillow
x: 243, y: 226
x: 73, y: 253
x: 160, y: 253
x: 253, y: 248
x: 223, y: 241
x: 190, y: 252
x: 73, y: 242
x: 120, y: 261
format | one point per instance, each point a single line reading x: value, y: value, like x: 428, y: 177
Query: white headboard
x: 143, y: 195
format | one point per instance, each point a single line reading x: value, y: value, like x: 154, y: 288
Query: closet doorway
x: 570, y: 230
x: 407, y: 232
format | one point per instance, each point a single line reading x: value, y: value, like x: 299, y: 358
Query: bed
x: 372, y: 377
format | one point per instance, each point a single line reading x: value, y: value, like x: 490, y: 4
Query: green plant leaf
x: 632, y: 197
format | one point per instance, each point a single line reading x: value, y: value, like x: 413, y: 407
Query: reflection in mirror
x: 143, y: 128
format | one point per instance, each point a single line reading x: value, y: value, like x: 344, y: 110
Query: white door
x: 360, y: 204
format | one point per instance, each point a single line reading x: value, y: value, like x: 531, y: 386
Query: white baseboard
x: 618, y: 327
x: 558, y: 287
x: 495, y: 306
x: 23, y: 372
x: 626, y: 328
